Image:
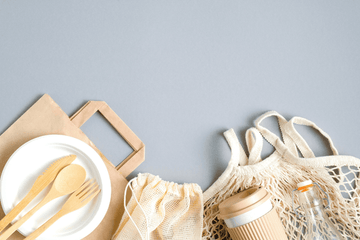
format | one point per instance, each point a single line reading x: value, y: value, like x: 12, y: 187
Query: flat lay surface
x: 180, y: 73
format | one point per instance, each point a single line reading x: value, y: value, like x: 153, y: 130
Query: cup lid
x: 243, y: 202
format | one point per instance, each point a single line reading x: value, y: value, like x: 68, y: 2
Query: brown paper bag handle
x: 128, y: 165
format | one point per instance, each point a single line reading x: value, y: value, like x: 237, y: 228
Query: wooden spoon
x: 67, y: 181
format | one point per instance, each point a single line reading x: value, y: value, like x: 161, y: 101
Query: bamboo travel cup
x: 249, y: 215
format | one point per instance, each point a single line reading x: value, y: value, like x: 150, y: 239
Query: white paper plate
x: 31, y: 160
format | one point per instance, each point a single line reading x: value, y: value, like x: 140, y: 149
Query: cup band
x: 268, y: 227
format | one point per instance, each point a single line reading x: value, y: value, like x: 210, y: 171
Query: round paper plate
x: 31, y: 160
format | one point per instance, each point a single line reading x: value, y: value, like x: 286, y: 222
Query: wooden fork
x: 77, y: 200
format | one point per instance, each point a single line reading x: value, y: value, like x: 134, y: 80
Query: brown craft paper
x: 46, y: 117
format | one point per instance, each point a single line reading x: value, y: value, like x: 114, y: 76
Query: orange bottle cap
x: 304, y: 183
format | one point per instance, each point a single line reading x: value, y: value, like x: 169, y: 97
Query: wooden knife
x: 40, y: 183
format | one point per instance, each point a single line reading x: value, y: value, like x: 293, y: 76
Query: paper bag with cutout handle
x: 46, y: 117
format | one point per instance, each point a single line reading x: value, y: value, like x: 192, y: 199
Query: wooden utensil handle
x: 45, y: 226
x: 8, y: 232
x: 15, y: 211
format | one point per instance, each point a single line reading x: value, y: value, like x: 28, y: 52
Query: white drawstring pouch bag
x: 161, y: 210
x: 279, y: 174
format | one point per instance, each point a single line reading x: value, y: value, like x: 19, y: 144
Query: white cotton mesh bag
x: 279, y: 174
x: 161, y: 210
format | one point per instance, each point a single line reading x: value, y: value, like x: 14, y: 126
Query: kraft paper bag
x: 46, y: 117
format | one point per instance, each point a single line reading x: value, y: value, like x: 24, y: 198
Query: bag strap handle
x: 292, y: 139
x: 238, y: 155
x: 300, y: 142
x: 132, y: 161
x: 254, y: 142
x: 288, y: 144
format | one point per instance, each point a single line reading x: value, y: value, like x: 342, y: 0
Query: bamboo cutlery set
x: 67, y: 179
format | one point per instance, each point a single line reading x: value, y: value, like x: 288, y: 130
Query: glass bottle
x: 319, y: 226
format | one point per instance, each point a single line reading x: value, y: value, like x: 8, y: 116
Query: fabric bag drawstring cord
x: 126, y: 210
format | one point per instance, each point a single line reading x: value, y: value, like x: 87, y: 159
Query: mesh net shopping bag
x: 279, y: 174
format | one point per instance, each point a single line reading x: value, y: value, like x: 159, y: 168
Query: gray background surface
x: 180, y: 73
